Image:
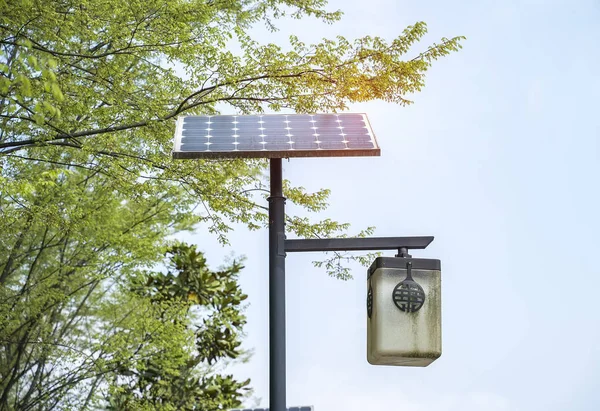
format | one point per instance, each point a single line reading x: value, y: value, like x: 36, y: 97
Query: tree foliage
x: 75, y: 336
x: 171, y: 375
x: 98, y: 84
x: 89, y: 91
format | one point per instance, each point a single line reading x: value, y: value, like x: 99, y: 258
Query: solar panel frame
x: 311, y: 144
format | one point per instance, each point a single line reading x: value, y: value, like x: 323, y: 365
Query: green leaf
x: 32, y: 60
x: 39, y: 119
x: 58, y: 95
x: 24, y: 85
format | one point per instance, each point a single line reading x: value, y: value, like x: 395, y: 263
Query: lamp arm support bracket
x: 357, y: 244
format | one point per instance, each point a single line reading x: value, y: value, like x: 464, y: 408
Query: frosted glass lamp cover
x: 404, y: 313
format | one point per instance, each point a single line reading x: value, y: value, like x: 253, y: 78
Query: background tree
x: 167, y: 376
x: 83, y: 321
x: 88, y: 191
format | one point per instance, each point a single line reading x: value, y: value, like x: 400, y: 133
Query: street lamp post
x: 276, y: 137
x: 277, y: 361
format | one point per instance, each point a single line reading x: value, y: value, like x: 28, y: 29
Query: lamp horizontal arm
x: 357, y: 244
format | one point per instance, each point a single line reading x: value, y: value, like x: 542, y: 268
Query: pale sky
x: 499, y: 159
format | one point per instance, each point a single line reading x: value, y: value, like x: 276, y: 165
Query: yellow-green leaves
x: 22, y: 86
x: 28, y: 84
x: 56, y: 93
x: 100, y: 85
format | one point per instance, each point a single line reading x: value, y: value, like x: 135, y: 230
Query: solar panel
x: 274, y: 136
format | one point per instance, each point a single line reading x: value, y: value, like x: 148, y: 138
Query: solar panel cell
x: 335, y: 135
x: 327, y: 122
x: 357, y: 145
x: 305, y: 145
x: 221, y: 134
x: 221, y: 119
x: 247, y: 119
x: 276, y: 129
x: 359, y: 128
x: 278, y: 146
x: 250, y: 147
x: 220, y: 147
x: 196, y: 120
x: 195, y: 126
x: 303, y: 135
x: 332, y: 145
x: 249, y: 138
x: 277, y: 139
x: 247, y: 131
x: 200, y: 146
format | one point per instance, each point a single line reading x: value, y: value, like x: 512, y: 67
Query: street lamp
x: 277, y: 136
x: 404, y: 322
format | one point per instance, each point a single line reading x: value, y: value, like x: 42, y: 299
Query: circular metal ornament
x: 370, y: 301
x: 408, y: 295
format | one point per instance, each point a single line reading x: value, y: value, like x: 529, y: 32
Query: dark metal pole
x: 277, y: 400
